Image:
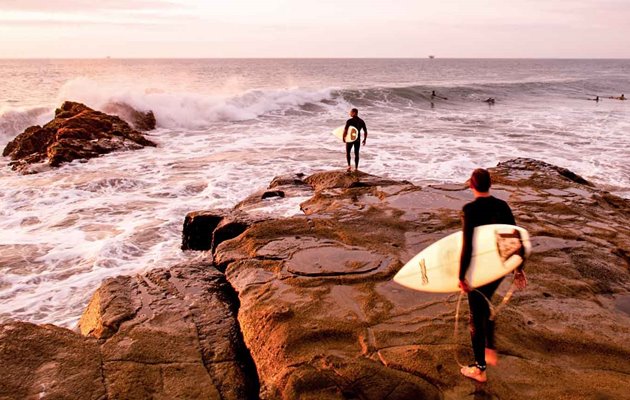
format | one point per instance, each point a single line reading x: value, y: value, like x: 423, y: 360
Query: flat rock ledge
x: 303, y: 307
x: 76, y: 133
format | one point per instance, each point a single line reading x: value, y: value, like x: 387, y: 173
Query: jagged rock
x: 76, y: 132
x: 171, y: 333
x: 142, y: 121
x: 199, y: 227
x: 205, y: 230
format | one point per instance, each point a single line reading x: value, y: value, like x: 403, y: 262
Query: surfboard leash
x: 494, y: 311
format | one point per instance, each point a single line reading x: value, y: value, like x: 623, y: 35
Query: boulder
x: 171, y: 333
x: 76, y: 132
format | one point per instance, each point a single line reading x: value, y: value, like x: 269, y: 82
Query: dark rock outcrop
x: 142, y: 121
x: 76, y: 132
x: 306, y: 307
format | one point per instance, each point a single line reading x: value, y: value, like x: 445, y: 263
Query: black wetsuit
x: 360, y: 125
x: 481, y: 211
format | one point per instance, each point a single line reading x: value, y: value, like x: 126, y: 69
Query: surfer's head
x: 480, y: 180
x: 354, y: 112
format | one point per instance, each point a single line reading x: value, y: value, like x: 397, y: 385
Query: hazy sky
x: 315, y: 28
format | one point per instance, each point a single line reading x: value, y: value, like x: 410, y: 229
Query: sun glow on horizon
x: 300, y: 28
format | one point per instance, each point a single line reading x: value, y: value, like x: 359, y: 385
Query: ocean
x: 227, y: 127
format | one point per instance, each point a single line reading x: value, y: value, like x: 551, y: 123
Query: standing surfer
x: 484, y: 210
x: 359, y: 124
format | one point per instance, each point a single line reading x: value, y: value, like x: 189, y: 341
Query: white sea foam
x: 13, y: 120
x: 191, y: 110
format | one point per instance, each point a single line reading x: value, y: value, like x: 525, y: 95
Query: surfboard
x: 353, y: 133
x: 497, y: 250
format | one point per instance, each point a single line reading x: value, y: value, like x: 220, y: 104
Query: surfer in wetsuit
x: 484, y: 210
x: 433, y: 95
x: 359, y: 124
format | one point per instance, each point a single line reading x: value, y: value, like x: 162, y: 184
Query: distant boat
x: 432, y: 57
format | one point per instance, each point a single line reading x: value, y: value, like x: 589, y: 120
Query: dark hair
x: 354, y: 110
x: 480, y: 180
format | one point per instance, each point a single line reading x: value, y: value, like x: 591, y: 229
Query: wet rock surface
x: 77, y: 132
x: 304, y: 306
x: 322, y: 318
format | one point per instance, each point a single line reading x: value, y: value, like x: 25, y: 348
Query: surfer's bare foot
x: 491, y: 357
x: 474, y: 372
x: 349, y: 168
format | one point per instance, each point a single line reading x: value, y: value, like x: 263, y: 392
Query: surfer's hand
x: 364, y: 142
x: 464, y: 286
x: 520, y: 280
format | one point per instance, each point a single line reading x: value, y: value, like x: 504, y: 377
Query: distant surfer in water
x: 484, y: 210
x: 359, y: 124
x: 489, y: 100
x: 596, y: 99
x: 433, y: 96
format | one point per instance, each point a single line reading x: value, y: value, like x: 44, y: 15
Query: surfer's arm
x: 345, y: 130
x: 364, y: 131
x: 467, y: 246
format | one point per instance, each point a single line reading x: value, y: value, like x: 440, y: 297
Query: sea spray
x: 191, y: 110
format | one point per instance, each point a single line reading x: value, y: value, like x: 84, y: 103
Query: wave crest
x: 14, y: 121
x: 192, y: 110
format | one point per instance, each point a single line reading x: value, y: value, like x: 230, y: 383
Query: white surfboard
x: 497, y: 250
x: 353, y: 133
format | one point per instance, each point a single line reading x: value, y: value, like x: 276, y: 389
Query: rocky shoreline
x: 304, y: 306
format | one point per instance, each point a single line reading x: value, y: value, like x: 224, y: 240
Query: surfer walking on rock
x: 484, y: 210
x: 359, y: 124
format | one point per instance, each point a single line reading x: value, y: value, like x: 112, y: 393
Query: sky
x: 315, y: 28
